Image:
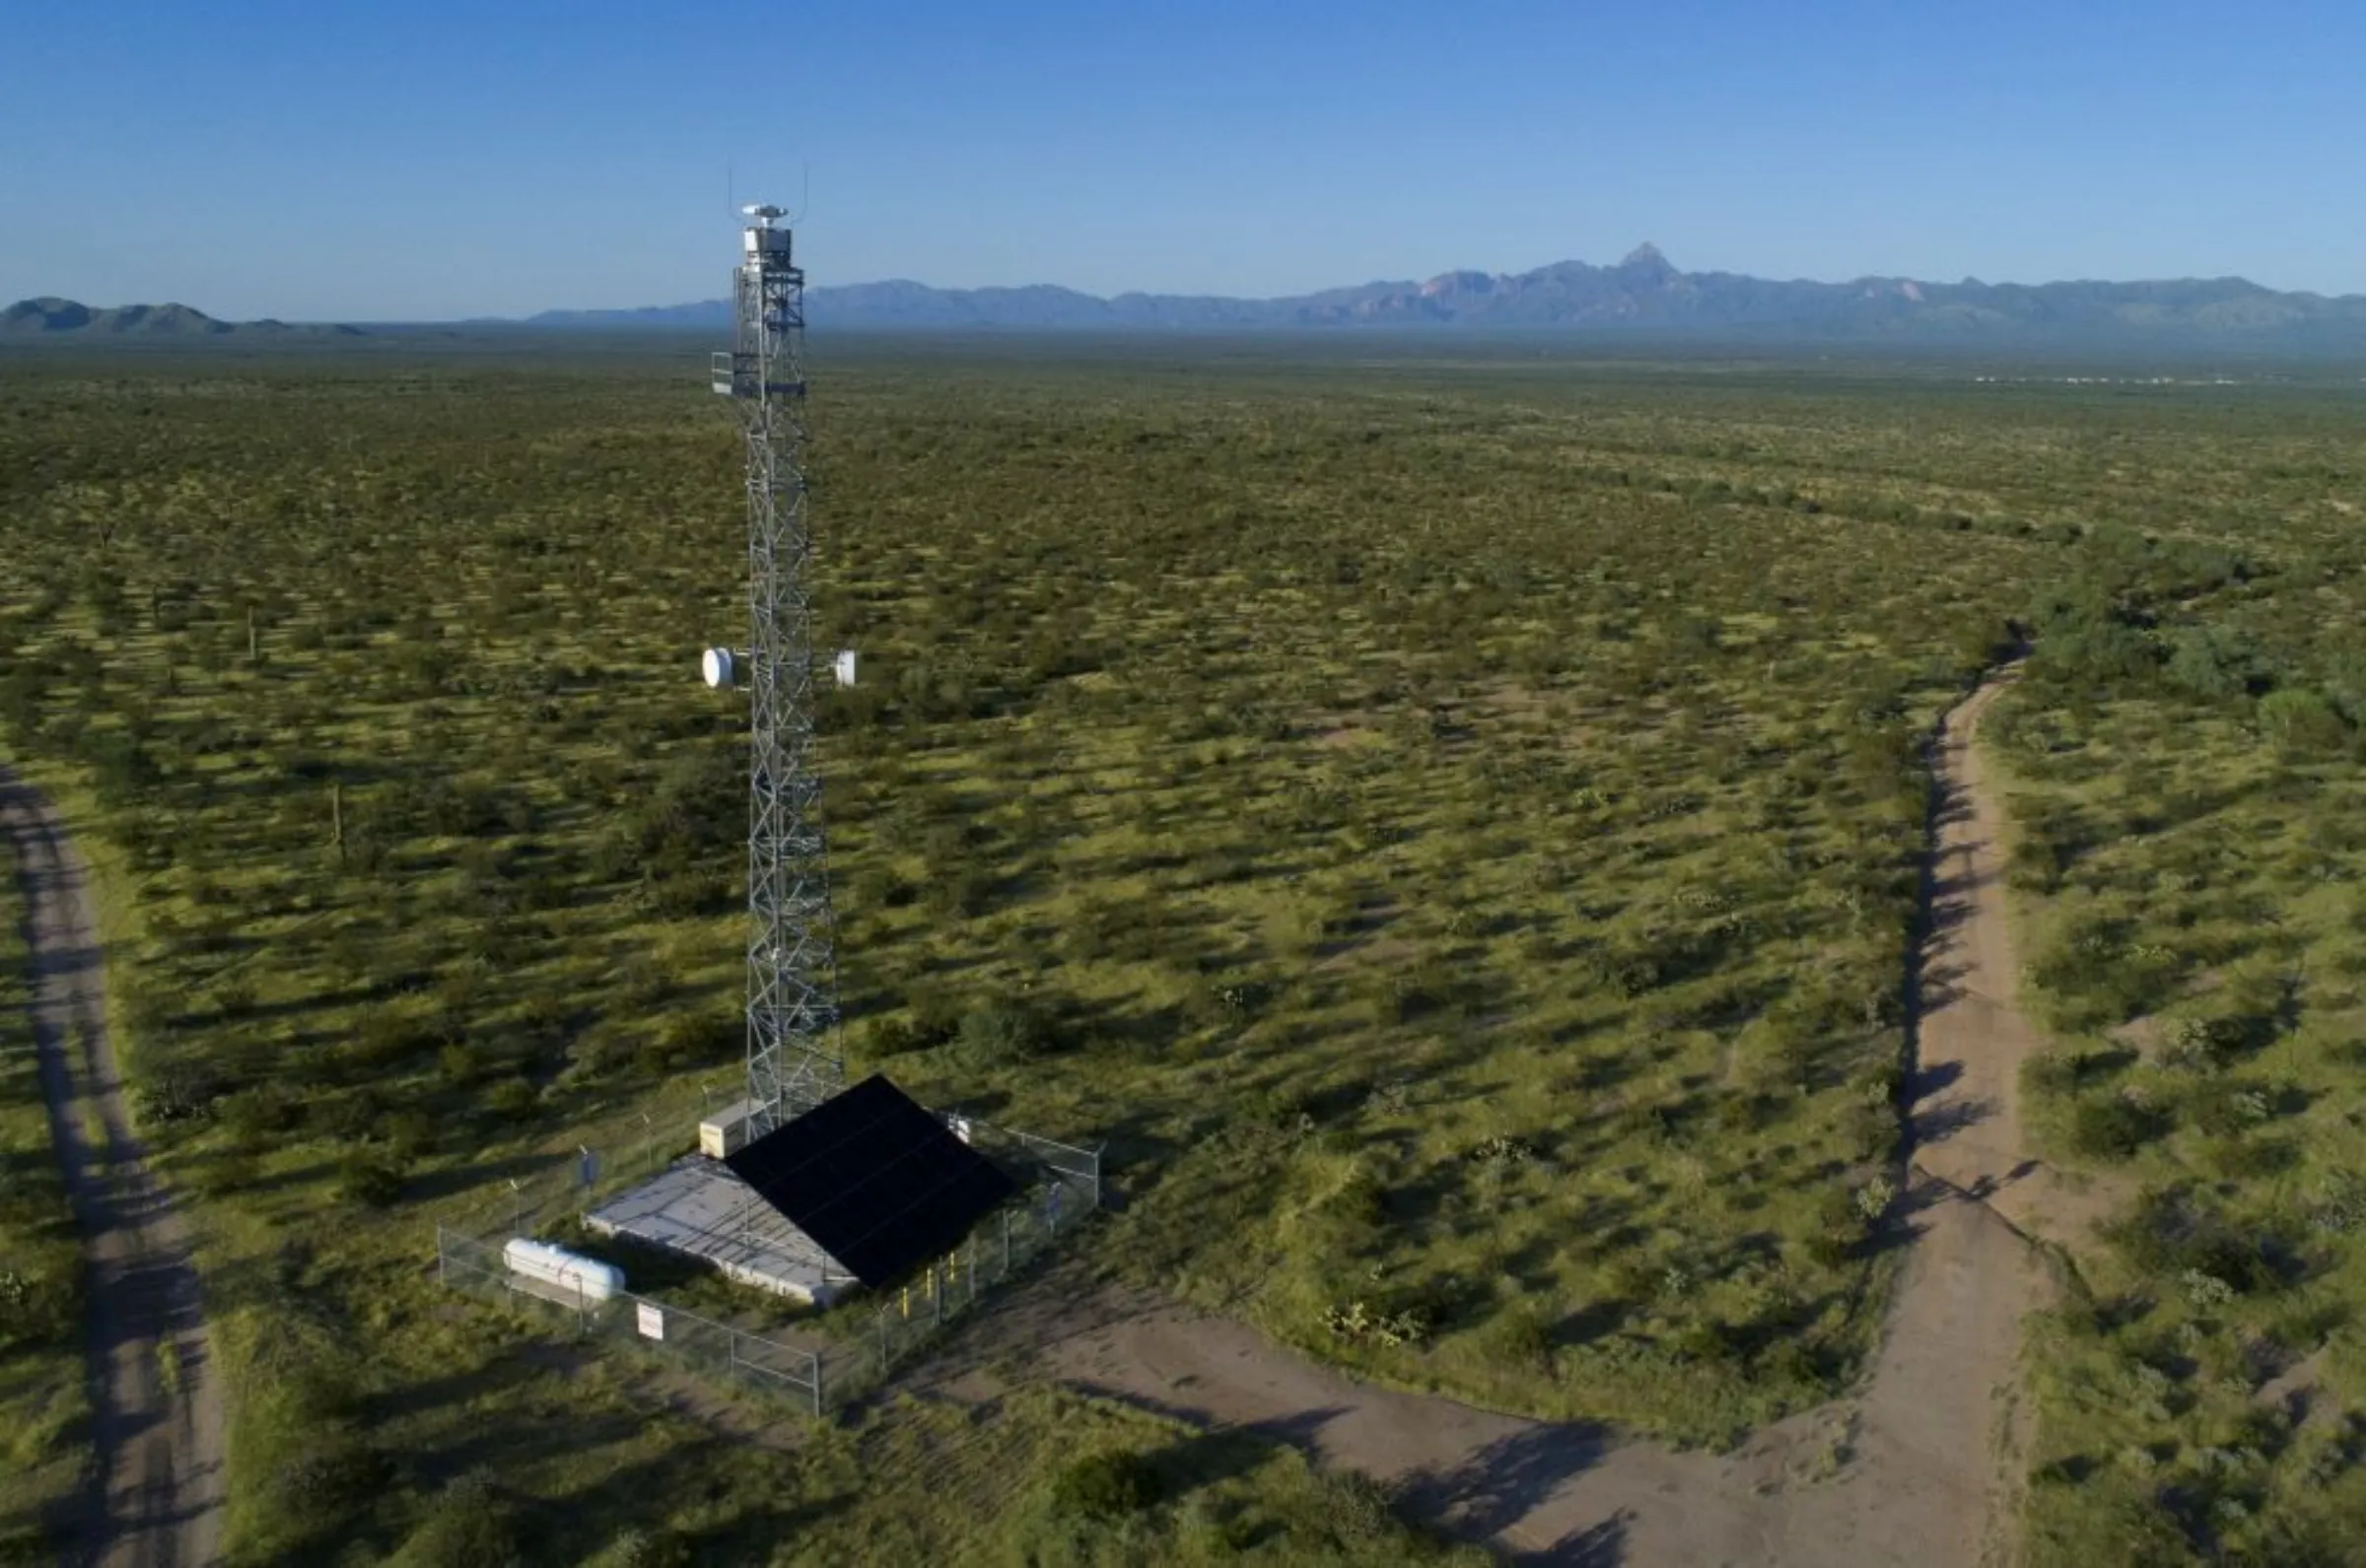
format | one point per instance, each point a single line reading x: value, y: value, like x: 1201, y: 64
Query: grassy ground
x: 2194, y: 835
x: 43, y: 1404
x: 1448, y: 826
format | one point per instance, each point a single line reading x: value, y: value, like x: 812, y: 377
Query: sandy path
x: 158, y: 1412
x: 1968, y: 1119
x: 1919, y: 1466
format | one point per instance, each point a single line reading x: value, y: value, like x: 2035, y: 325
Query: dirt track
x: 156, y: 1491
x: 1919, y: 1466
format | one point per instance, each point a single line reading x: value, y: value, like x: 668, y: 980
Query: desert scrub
x: 2186, y: 766
x: 1303, y: 775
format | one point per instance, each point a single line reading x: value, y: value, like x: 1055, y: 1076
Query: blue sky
x: 366, y: 161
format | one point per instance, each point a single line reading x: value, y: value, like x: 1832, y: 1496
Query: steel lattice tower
x: 792, y: 1058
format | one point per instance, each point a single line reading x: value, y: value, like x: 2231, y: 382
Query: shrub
x: 371, y: 1178
x: 935, y: 1018
x: 2300, y: 723
x: 2171, y: 1232
x: 41, y: 1295
x: 2224, y: 1110
x: 2254, y: 1157
x: 334, y: 1471
x: 2200, y: 665
x: 1838, y: 1231
x: 348, y: 1117
x: 1701, y: 1344
x: 1105, y: 1485
x: 1358, y: 1324
x: 2056, y: 1074
x: 408, y: 1133
x: 701, y: 1038
x: 386, y: 1038
x: 182, y: 1092
x: 999, y: 1033
x: 2092, y: 652
x: 2114, y: 1127
x: 511, y: 1098
x: 471, y: 1524
x: 1873, y: 1199
x: 1516, y: 1336
x: 253, y: 1116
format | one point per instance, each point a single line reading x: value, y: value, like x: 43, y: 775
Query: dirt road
x: 1917, y: 1467
x: 156, y: 1491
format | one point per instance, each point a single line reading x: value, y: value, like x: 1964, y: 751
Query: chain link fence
x: 869, y: 1336
x: 717, y: 1349
x: 828, y: 1357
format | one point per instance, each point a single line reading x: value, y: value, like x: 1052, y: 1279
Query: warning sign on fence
x: 651, y: 1320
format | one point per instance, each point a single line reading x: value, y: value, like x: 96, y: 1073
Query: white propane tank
x: 588, y: 1278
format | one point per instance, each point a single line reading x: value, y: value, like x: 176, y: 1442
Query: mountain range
x: 1643, y: 297
x: 1644, y: 294
x: 71, y: 317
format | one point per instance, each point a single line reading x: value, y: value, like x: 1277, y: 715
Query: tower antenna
x: 793, y: 1060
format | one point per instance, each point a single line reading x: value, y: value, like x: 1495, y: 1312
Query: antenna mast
x: 793, y: 1061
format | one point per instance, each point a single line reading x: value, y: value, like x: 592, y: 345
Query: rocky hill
x: 56, y: 317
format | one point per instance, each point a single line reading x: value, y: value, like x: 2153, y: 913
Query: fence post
x: 816, y: 1358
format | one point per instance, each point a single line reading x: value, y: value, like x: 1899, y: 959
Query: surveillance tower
x: 793, y: 1059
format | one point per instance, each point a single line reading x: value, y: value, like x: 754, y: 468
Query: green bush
x: 2114, y: 1126
x: 469, y: 1525
x: 2182, y: 1230
x: 2228, y: 1108
x: 372, y: 1178
x: 253, y: 1116
x: 512, y: 1099
x: 2301, y: 723
x: 334, y: 1470
x: 1105, y: 1485
x: 2204, y: 665
x: 1000, y: 1033
x: 40, y: 1291
x: 883, y: 1037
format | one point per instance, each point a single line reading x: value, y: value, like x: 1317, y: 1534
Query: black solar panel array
x: 878, y: 1183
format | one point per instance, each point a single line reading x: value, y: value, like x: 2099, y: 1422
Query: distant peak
x: 1647, y: 257
x: 1464, y: 281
